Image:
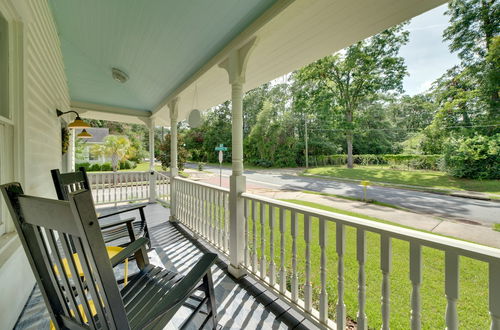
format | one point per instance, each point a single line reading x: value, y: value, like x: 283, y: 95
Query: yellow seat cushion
x: 112, y: 251
x: 82, y: 313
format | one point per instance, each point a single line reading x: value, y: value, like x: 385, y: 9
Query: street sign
x: 221, y: 148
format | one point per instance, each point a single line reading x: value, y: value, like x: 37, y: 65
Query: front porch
x: 242, y: 303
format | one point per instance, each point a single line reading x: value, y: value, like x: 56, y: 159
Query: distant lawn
x: 473, y: 301
x: 434, y: 179
x: 142, y: 167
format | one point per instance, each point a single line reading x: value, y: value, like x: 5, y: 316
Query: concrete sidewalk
x: 476, y: 233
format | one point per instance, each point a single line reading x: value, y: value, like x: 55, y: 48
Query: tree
x: 473, y: 33
x: 114, y: 146
x: 182, y: 153
x: 358, y: 73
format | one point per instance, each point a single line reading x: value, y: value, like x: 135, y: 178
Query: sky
x: 426, y: 54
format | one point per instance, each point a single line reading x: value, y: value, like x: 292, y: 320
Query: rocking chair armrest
x: 122, y: 211
x: 117, y: 223
x: 129, y: 250
x: 180, y: 292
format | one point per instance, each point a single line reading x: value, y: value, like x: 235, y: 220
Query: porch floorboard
x: 241, y: 304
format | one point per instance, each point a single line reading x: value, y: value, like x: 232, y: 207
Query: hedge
x: 420, y: 162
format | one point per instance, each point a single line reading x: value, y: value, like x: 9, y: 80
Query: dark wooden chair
x: 66, y: 183
x: 47, y: 228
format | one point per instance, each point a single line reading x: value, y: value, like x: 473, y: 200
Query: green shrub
x: 476, y: 157
x: 106, y: 167
x: 418, y: 162
x: 95, y: 167
x: 200, y: 166
x: 86, y: 165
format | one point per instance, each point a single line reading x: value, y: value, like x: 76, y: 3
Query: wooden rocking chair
x: 48, y: 228
x: 66, y: 183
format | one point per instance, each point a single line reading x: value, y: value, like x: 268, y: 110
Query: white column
x: 72, y: 150
x: 152, y: 176
x: 235, y: 65
x: 174, y: 171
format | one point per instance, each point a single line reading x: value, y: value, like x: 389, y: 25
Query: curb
x: 436, y: 191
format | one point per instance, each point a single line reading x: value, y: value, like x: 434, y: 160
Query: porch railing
x: 118, y: 187
x: 204, y: 209
x: 286, y: 246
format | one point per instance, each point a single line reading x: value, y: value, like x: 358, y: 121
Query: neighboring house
x: 98, y: 136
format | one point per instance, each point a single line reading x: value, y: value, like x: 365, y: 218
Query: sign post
x: 221, y: 150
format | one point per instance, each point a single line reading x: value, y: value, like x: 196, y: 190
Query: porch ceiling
x: 158, y: 43
x: 173, y: 48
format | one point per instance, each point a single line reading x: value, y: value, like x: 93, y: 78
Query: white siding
x: 45, y: 89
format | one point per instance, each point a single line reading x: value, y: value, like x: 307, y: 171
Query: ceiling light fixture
x: 119, y: 75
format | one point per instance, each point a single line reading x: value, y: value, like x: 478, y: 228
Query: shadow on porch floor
x: 241, y: 304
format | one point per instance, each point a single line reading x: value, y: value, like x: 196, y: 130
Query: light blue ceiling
x: 158, y: 43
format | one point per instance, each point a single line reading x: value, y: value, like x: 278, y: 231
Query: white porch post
x: 174, y: 171
x: 235, y: 66
x: 152, y: 176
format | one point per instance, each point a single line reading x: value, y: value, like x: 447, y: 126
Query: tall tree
x: 473, y: 33
x: 358, y: 73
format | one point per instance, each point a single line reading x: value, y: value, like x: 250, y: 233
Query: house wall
x: 42, y: 88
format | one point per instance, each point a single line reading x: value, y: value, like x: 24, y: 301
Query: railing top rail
x: 463, y: 248
x: 211, y: 186
x: 161, y: 174
x: 119, y: 172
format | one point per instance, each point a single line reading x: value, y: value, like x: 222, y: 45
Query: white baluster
x: 226, y: 222
x: 246, y: 253
x: 254, y: 236
x: 494, y: 294
x: 451, y: 289
x: 96, y: 185
x: 282, y: 250
x: 308, y: 286
x: 416, y: 281
x: 295, y: 280
x: 340, y: 242
x: 220, y: 223
x: 272, y: 265
x: 262, y: 240
x: 323, y: 296
x: 385, y: 266
x: 361, y: 256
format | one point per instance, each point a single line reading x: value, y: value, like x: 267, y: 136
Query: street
x: 423, y: 202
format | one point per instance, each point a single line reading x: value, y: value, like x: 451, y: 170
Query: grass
x: 472, y: 305
x: 431, y: 179
x: 142, y: 167
x: 370, y: 201
x: 496, y: 226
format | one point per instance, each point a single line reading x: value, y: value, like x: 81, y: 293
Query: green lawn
x: 142, y: 167
x: 472, y: 306
x: 434, y: 179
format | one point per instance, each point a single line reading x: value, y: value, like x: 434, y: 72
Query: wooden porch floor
x: 241, y: 304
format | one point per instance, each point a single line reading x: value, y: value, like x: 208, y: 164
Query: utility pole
x: 306, y: 142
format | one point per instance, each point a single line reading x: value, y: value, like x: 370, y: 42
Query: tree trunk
x: 350, y: 163
x: 349, y: 136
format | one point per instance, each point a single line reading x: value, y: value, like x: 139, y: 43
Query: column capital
x: 173, y: 106
x: 236, y: 62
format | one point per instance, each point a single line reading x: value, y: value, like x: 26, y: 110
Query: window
x: 4, y: 69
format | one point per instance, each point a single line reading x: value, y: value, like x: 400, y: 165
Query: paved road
x: 440, y: 205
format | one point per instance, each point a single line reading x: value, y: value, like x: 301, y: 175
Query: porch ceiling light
x: 119, y: 75
x: 84, y: 134
x: 77, y: 123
